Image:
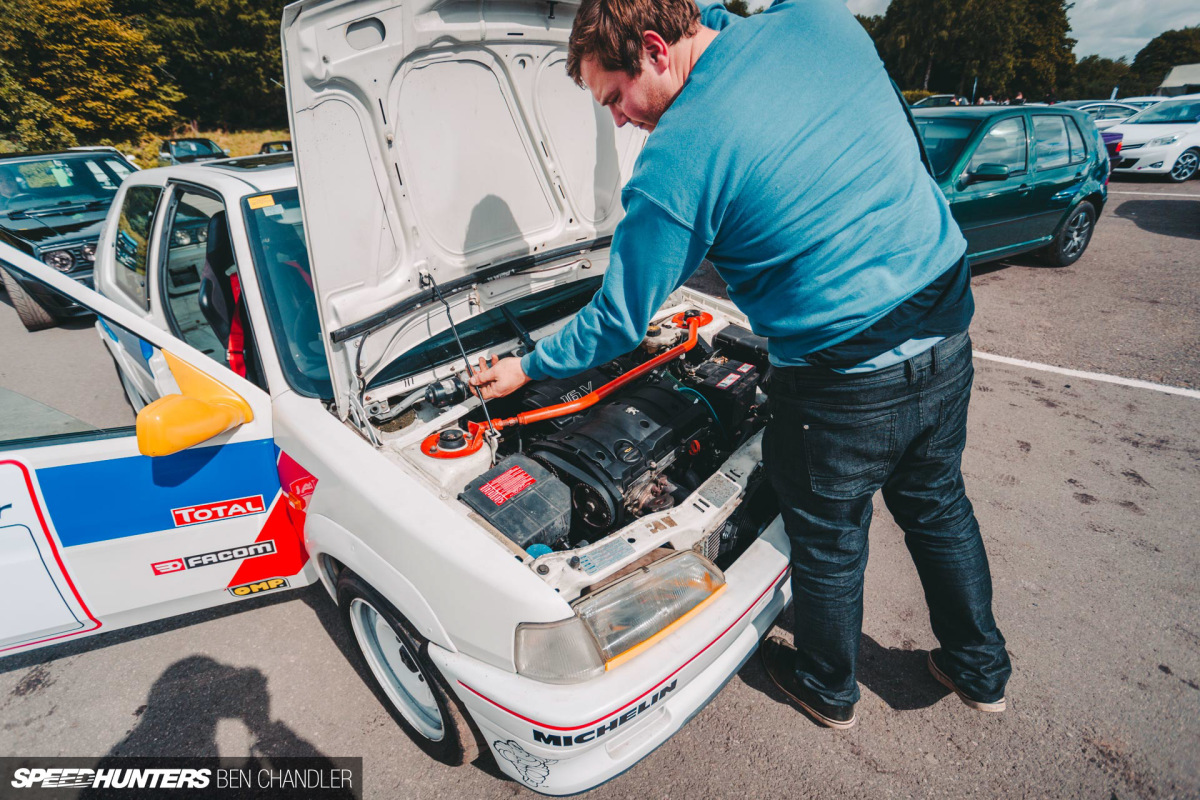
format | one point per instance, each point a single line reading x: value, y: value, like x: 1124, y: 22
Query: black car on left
x: 52, y: 206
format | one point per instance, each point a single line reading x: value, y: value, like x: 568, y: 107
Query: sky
x: 1109, y: 28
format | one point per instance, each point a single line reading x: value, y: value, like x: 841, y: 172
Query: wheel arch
x: 335, y: 549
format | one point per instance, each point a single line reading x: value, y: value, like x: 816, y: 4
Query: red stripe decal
x: 285, y: 524
x: 771, y: 586
x: 37, y: 507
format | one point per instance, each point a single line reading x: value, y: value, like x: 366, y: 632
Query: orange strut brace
x: 590, y: 399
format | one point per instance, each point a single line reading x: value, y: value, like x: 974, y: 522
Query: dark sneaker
x: 994, y: 706
x: 779, y: 659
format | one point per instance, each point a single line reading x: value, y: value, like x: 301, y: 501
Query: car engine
x: 567, y: 480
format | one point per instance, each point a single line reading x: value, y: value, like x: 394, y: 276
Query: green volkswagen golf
x: 1018, y: 178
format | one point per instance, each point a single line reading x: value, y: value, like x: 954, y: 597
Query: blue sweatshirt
x: 787, y: 160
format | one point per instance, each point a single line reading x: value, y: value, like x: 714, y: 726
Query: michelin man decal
x: 533, y: 769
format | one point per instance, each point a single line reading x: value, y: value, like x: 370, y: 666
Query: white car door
x: 96, y: 534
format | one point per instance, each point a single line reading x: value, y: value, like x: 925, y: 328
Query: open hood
x: 440, y: 139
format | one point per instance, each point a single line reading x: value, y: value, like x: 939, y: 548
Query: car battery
x: 729, y: 387
x: 523, y: 500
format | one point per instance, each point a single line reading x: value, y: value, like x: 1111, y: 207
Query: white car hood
x: 441, y: 139
x: 1140, y: 134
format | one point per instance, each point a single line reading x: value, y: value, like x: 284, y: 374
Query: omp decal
x: 255, y: 550
x: 259, y: 587
x: 773, y: 584
x: 167, y: 567
x: 534, y: 770
x: 211, y: 512
x: 100, y: 501
x: 45, y: 532
x: 567, y: 740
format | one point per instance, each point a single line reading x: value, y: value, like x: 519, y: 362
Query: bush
x: 913, y: 95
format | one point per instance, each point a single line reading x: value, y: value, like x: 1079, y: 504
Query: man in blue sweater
x: 840, y: 249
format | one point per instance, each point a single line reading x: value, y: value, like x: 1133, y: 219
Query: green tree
x: 223, y: 54
x: 1095, y: 77
x: 1155, y: 60
x: 97, y: 72
x: 27, y: 121
x: 739, y: 7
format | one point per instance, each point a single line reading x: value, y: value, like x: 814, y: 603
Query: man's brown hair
x: 611, y: 31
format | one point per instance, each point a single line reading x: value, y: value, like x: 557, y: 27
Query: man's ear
x: 656, y: 50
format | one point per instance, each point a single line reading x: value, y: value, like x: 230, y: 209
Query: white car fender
x: 323, y: 536
x: 477, y: 590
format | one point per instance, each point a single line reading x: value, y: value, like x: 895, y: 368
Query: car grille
x: 76, y: 250
x: 1132, y: 146
x: 1126, y: 163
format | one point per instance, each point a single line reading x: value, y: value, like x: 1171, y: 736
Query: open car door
x: 111, y: 517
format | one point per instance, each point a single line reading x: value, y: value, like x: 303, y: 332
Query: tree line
x: 117, y: 71
x: 1001, y: 47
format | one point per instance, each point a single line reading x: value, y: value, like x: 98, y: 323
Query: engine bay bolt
x: 542, y: 569
x: 574, y: 562
x: 452, y: 439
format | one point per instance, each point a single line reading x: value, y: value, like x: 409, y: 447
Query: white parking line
x: 1158, y: 194
x: 1091, y: 376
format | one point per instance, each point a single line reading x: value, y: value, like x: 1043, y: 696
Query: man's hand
x: 503, y: 377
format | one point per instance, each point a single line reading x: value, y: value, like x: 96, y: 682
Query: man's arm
x: 652, y: 254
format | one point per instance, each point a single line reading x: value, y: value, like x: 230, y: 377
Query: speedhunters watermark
x: 52, y: 778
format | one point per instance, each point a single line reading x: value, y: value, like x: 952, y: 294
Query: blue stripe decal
x: 100, y: 501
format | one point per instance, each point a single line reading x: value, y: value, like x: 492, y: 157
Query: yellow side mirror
x: 204, y: 409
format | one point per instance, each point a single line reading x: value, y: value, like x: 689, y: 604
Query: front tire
x: 1185, y: 166
x: 404, y: 678
x: 1074, y: 237
x: 31, y: 313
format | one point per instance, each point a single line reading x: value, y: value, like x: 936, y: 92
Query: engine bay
x: 555, y: 469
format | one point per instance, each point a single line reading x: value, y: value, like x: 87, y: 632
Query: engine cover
x: 603, y: 453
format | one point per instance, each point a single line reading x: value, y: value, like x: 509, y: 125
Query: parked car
x: 187, y: 151
x: 282, y: 146
x: 936, y: 101
x: 1019, y: 178
x: 52, y: 206
x: 1112, y: 143
x: 1162, y: 140
x: 1141, y: 102
x: 1104, y: 113
x: 566, y: 592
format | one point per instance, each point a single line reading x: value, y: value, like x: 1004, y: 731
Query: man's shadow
x: 898, y: 676
x: 185, y: 704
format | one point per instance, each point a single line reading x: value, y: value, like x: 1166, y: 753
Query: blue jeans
x: 833, y: 440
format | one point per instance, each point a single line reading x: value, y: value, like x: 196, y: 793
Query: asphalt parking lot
x: 1085, y: 490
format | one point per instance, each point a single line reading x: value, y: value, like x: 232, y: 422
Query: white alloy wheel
x: 397, y: 669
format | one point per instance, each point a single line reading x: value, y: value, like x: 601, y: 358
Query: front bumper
x: 560, y: 740
x: 1147, y: 160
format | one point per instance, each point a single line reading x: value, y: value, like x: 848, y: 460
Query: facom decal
x: 260, y: 587
x: 567, y: 740
x: 211, y: 512
x: 533, y: 769
x: 263, y: 548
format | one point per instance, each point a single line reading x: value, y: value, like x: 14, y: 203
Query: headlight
x: 201, y: 234
x: 557, y: 652
x: 61, y: 260
x: 618, y: 622
x: 180, y: 238
x: 89, y: 251
x: 1163, y: 140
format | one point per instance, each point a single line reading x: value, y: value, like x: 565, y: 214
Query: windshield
x: 1167, y: 112
x: 194, y: 148
x: 60, y: 184
x: 276, y: 234
x: 491, y: 328
x: 944, y: 140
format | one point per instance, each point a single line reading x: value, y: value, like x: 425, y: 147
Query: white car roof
x: 234, y: 177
